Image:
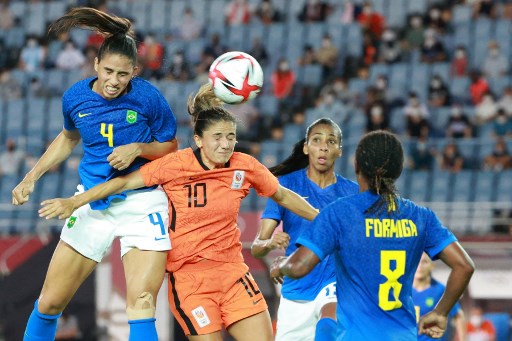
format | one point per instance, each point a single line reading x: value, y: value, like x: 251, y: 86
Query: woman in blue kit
x: 123, y: 122
x: 307, y: 310
x: 377, y: 239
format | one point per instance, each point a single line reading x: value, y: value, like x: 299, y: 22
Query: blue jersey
x: 141, y: 115
x: 376, y: 257
x: 426, y: 300
x: 308, y: 287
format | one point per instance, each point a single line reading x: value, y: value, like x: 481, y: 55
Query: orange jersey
x: 204, y: 204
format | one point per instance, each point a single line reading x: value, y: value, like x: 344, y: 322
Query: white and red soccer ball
x: 236, y: 77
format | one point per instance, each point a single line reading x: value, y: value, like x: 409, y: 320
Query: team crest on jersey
x: 71, y: 222
x: 201, y: 317
x: 238, y: 179
x: 131, y: 116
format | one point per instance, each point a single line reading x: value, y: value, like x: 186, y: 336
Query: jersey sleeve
x: 66, y: 112
x: 163, y: 121
x: 322, y: 236
x: 272, y: 211
x: 262, y: 180
x: 438, y: 236
x: 161, y: 170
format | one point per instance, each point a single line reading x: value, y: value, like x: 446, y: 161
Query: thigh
x: 194, y: 301
x: 253, y: 328
x: 89, y: 232
x: 296, y: 320
x: 68, y: 269
x: 144, y: 272
x: 242, y: 300
x: 326, y: 301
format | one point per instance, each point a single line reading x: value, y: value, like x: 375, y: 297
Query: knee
x: 143, y: 308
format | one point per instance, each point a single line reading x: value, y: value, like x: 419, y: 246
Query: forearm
x: 296, y: 267
x: 114, y: 186
x: 58, y: 151
x: 295, y: 203
x: 457, y: 283
x: 155, y: 149
x: 261, y: 247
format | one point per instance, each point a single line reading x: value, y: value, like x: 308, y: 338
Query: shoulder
x: 292, y: 177
x: 346, y: 183
x: 81, y: 88
x: 242, y: 159
x: 141, y: 84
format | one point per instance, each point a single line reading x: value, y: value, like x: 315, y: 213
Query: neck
x: 421, y: 283
x: 322, y: 179
x: 209, y: 164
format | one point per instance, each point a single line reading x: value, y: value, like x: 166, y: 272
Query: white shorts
x: 296, y: 320
x: 140, y: 221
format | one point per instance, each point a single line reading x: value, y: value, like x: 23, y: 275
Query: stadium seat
x: 270, y: 153
x: 315, y: 33
x: 268, y: 105
x: 276, y: 38
x: 55, y: 9
x: 504, y: 187
x: 417, y: 186
x: 440, y: 185
x: 355, y: 39
x: 378, y: 69
x: 416, y: 6
x: 237, y: 38
x: 34, y: 18
x: 463, y: 187
x: 310, y: 75
x: 159, y: 15
x: 485, y: 186
x: 463, y: 35
x: 396, y: 13
x: 215, y: 12
x: 442, y: 70
x: 462, y: 13
x: 459, y: 88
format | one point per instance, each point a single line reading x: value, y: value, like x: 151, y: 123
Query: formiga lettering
x: 390, y: 228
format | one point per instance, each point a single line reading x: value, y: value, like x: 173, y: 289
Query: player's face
x: 322, y: 147
x: 217, y: 144
x: 114, y: 73
x: 424, y: 269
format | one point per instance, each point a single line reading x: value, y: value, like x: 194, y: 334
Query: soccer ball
x: 236, y: 77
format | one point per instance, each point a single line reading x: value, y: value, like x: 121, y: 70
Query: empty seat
x: 462, y: 13
x: 416, y: 189
x: 440, y: 186
x: 485, y: 186
x: 463, y: 186
x: 158, y: 15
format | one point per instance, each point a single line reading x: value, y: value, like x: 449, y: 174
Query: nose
x: 224, y: 143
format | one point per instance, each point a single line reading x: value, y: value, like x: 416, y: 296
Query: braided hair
x: 380, y: 158
x: 297, y: 159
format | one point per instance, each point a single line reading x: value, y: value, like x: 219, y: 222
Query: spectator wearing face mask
x: 435, y: 20
x: 11, y: 159
x: 459, y: 66
x: 314, y: 11
x: 416, y: 115
x: 414, y: 33
x: 505, y: 101
x: 485, y: 8
x: 502, y: 124
x: 499, y: 158
x: 478, y: 87
x: 459, y: 125
x: 283, y: 80
x: 371, y: 21
x: 421, y: 156
x: 438, y: 92
x: 327, y: 56
x: 432, y: 50
x: 389, y: 51
x: 179, y: 69
x: 479, y: 328
x: 495, y: 64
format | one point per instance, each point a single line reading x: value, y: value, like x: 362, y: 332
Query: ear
x: 96, y: 62
x: 135, y: 71
x: 198, y: 141
x: 305, y: 148
x: 340, y: 151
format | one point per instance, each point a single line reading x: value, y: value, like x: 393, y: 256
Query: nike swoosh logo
x: 305, y: 197
x: 256, y: 302
x: 83, y: 115
x: 194, y: 178
x: 160, y: 238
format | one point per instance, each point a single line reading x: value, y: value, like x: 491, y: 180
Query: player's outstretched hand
x: 122, y: 156
x: 61, y: 208
x: 280, y: 240
x: 22, y: 191
x: 275, y: 272
x: 432, y: 324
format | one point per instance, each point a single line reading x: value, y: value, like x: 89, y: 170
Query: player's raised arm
x: 295, y: 203
x: 62, y: 208
x: 58, y: 151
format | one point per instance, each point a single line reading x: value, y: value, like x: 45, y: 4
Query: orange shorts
x: 208, y: 295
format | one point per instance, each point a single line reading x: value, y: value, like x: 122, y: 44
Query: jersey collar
x: 197, y: 154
